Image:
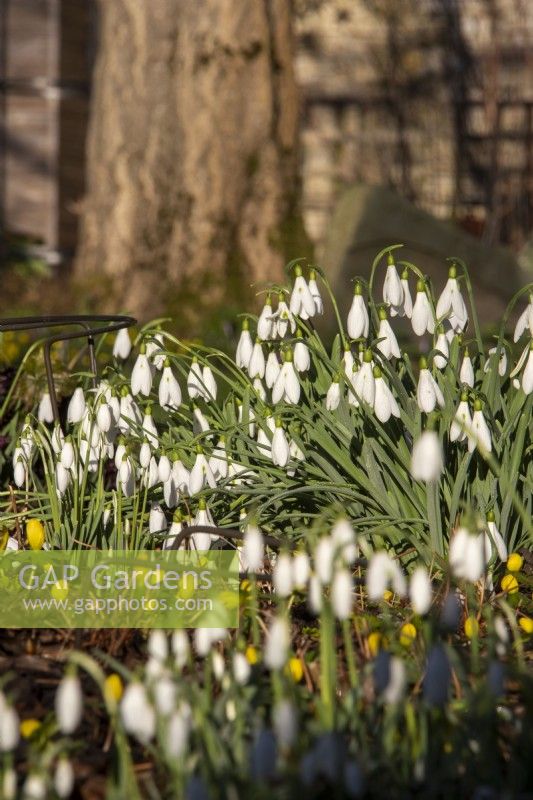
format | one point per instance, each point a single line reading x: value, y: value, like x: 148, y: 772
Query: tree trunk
x: 191, y: 150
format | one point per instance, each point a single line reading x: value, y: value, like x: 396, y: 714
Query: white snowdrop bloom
x: 76, y: 406
x: 157, y: 522
x: 393, y: 289
x: 253, y: 548
x: 180, y: 474
x: 45, y: 413
x: 68, y: 704
x: 407, y: 309
x: 287, y: 386
x: 20, y: 473
x: 250, y: 420
x: 9, y: 728
x: 57, y: 439
x: 420, y: 592
x: 284, y: 320
x: 315, y: 595
x: 164, y: 695
x: 365, y: 383
x: 348, y: 362
x: 62, y: 478
x: 480, y: 434
x: 280, y: 452
x: 333, y: 396
x: 180, y: 648
x: 259, y: 389
x: 241, y: 669
x: 358, y: 322
x: 104, y: 418
x: 263, y: 439
x: 201, y: 474
x: 149, y: 428
x: 385, y: 404
x: 122, y: 344
x: 169, y: 389
x: 302, y: 359
x: 164, y: 468
x: 382, y: 571
x: 397, y: 679
x: 199, y: 420
x: 219, y: 459
x: 387, y: 343
x: 256, y: 367
x: 145, y: 454
x: 443, y: 346
x: 344, y: 542
x: 202, y: 540
x: 209, y: 384
x: 154, y: 350
x: 323, y: 559
x: 301, y: 302
x: 138, y: 715
x: 527, y: 375
x: 462, y: 421
x: 468, y: 555
x: 451, y: 304
x: 300, y: 569
x: 342, y: 594
x: 272, y: 369
x: 502, y: 363
x: 428, y: 393
x: 296, y: 451
x: 175, y: 529
x: 494, y: 539
x: 12, y: 544
x: 282, y: 575
x: 9, y: 784
x: 265, y: 323
x: 129, y: 413
x: 466, y: 373
x: 27, y: 439
x: 141, y: 376
x: 277, y: 643
x: 177, y: 737
x: 125, y: 469
x: 285, y: 722
x: 315, y: 292
x: 64, y: 777
x: 525, y: 320
x: 195, y: 380
x: 422, y: 319
x: 244, y: 346
x: 427, y: 459
x: 34, y: 787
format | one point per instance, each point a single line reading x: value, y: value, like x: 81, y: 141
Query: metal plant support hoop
x: 86, y: 322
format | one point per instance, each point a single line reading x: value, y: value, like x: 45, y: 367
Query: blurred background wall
x: 154, y: 155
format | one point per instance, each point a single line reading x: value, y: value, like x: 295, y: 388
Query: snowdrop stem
x: 470, y: 292
x: 349, y: 652
x: 328, y: 667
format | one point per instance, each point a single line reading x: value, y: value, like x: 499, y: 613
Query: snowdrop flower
x: 164, y: 468
x: 283, y: 318
x: 365, y: 384
x: 443, y: 346
x: 27, y: 439
x: 265, y: 323
x: 209, y: 390
x: 34, y: 787
x: 202, y: 540
x: 341, y: 594
x: 385, y: 404
x: 466, y: 374
x: 141, y: 376
x: 64, y: 777
x: 300, y: 569
x: 138, y: 716
x: 219, y: 459
x: 280, y: 447
x: 480, y: 434
x: 256, y: 367
x: 157, y: 522
x: 525, y: 320
x: 253, y: 549
x: 422, y: 315
x: 57, y: 439
x: 494, y: 539
x: 287, y: 386
x: 389, y: 677
x: 9, y: 727
x: 358, y: 319
x: 76, y: 406
x: 244, y: 346
x: 282, y: 575
x: 178, y: 730
x: 333, y: 396
x: 344, y: 543
x: 348, y: 361
x: 428, y: 393
x: 277, y: 643
x: 272, y: 369
x: 450, y: 304
x: 169, y: 389
x: 62, y: 478
x: 145, y: 453
x: 527, y: 375
x: 407, y: 309
x: 468, y: 555
x: 195, y: 381
x: 427, y: 461
x: 323, y: 559
x: 129, y: 412
x: 387, y: 343
x: 20, y: 473
x: 104, y: 418
x: 125, y: 477
x: 315, y: 292
x: 301, y: 302
x: 122, y: 344
x: 199, y: 421
x: 420, y: 593
x: 201, y: 474
x: 285, y: 723
x: 315, y: 595
x: 45, y: 413
x: 502, y: 363
x: 68, y: 704
x: 179, y: 643
x: 149, y: 428
x: 382, y: 571
x: 241, y: 669
x: 302, y: 359
x: 392, y: 288
x: 176, y: 528
x: 462, y: 422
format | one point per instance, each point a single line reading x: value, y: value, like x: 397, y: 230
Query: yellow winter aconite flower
x: 471, y: 627
x: 515, y: 562
x: 509, y: 584
x: 113, y: 688
x: 251, y: 655
x: 388, y: 595
x: 246, y: 586
x: 526, y: 623
x: 28, y: 727
x: 35, y: 534
x: 374, y: 643
x: 59, y: 590
x: 295, y: 669
x: 407, y: 634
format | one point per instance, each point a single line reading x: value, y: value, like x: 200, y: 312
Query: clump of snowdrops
x: 381, y: 504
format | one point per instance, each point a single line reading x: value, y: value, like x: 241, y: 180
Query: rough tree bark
x: 191, y: 148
